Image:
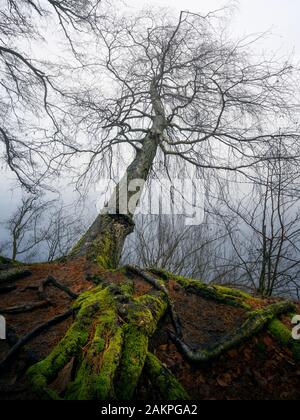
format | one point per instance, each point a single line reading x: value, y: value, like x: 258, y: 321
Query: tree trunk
x: 104, y: 240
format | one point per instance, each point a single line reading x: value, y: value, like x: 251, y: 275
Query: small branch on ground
x: 14, y: 275
x: 52, y: 281
x: 29, y: 307
x: 7, y: 289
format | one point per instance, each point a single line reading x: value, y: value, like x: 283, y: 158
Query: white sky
x: 281, y: 17
x: 252, y: 16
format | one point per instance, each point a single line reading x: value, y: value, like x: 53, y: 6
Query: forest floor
x: 260, y: 369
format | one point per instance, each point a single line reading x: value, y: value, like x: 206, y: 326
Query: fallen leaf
x: 224, y: 380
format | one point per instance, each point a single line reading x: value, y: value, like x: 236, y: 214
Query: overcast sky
x: 281, y: 17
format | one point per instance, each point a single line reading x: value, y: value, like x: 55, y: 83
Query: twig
x: 51, y: 280
x: 28, y: 307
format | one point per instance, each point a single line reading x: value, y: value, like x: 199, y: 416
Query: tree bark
x: 104, y: 240
x: 107, y: 345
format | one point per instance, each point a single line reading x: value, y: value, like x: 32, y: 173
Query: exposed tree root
x: 165, y: 382
x: 32, y: 334
x: 29, y: 307
x: 283, y: 335
x: 106, y: 349
x: 108, y: 344
x: 219, y: 294
x: 12, y: 339
x: 52, y: 281
x: 256, y: 321
x: 159, y: 285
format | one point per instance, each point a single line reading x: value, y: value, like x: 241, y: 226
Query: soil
x: 258, y: 370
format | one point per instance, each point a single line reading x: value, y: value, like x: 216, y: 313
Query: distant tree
x: 165, y: 242
x: 64, y: 229
x: 263, y: 227
x: 25, y: 227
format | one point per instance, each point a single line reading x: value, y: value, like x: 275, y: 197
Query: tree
x: 26, y: 227
x: 62, y: 231
x: 166, y: 243
x: 178, y: 90
x: 263, y: 229
x: 40, y: 229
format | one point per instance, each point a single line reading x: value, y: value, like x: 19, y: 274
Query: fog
x: 276, y: 19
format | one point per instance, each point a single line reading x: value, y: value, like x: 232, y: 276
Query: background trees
x: 152, y: 94
x: 263, y: 228
x: 41, y: 230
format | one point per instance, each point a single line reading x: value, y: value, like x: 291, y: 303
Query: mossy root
x: 255, y: 322
x: 107, y: 346
x: 163, y: 379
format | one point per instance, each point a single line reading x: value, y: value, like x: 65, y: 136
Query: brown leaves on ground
x: 260, y: 369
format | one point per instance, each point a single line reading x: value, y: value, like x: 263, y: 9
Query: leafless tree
x: 41, y: 230
x: 31, y: 120
x: 179, y: 90
x: 173, y: 89
x: 64, y: 229
x: 263, y: 226
x: 26, y: 227
x: 165, y: 242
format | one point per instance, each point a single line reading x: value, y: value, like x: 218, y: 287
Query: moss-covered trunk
x: 105, y: 349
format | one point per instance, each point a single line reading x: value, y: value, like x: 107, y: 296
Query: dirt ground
x: 258, y: 370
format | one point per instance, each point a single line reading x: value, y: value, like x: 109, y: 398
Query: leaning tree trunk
x: 104, y: 241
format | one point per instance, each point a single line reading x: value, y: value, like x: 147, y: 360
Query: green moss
x: 132, y: 363
x: 143, y: 317
x: 111, y: 360
x: 232, y: 292
x: 170, y: 389
x: 85, y: 385
x: 146, y: 311
x: 88, y: 306
x: 104, y: 251
x: 284, y: 336
x: 44, y: 372
x: 127, y: 288
x: 101, y: 346
x: 281, y: 332
x: 216, y: 293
